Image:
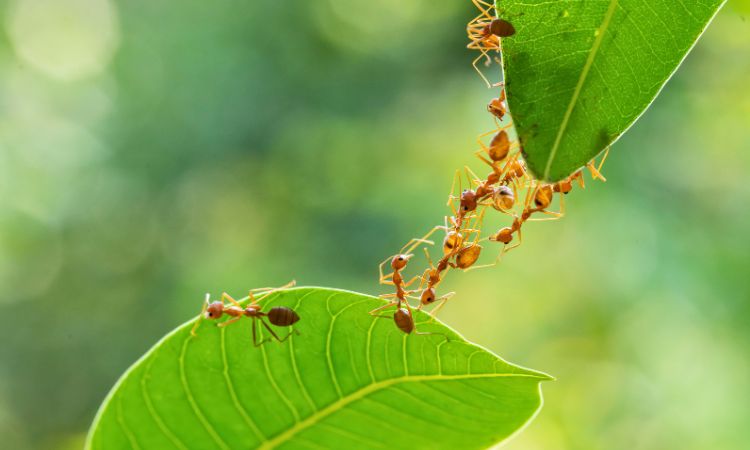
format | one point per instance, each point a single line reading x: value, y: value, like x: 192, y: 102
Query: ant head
x: 400, y: 261
x: 565, y: 186
x: 468, y: 200
x: 497, y: 107
x: 428, y: 296
x: 214, y: 310
x: 451, y: 241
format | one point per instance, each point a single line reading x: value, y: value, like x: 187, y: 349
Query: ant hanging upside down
x: 280, y: 316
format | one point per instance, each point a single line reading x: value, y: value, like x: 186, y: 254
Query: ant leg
x: 557, y: 216
x: 291, y: 332
x: 225, y: 296
x: 498, y: 129
x: 270, y: 330
x: 457, y: 174
x: 408, y: 283
x: 520, y: 241
x: 372, y: 313
x: 429, y: 260
x: 596, y: 171
x: 267, y: 290
x: 472, y: 177
x: 229, y: 322
x: 483, y: 54
x: 266, y: 293
x: 442, y: 299
x: 431, y: 333
x: 562, y: 204
x: 595, y: 174
x: 601, y: 164
x: 414, y: 242
x: 479, y: 155
x: 452, y: 198
x: 201, y: 316
x: 384, y: 278
x: 383, y: 316
x: 484, y: 8
x: 497, y: 260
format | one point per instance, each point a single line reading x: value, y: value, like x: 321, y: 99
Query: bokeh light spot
x: 65, y: 39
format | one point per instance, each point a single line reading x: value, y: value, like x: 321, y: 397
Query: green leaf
x: 578, y: 74
x: 348, y: 380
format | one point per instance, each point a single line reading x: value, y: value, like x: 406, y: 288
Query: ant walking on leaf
x: 484, y: 32
x: 280, y: 316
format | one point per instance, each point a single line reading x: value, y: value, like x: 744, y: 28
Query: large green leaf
x: 348, y: 380
x: 579, y: 73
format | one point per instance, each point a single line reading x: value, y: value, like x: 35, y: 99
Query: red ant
x: 281, y: 316
x: 484, y: 32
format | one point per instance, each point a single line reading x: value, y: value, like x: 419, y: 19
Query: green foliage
x: 348, y: 380
x: 580, y: 73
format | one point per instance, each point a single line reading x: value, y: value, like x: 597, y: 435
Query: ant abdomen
x: 503, y: 198
x: 543, y: 196
x: 281, y: 316
x: 502, y: 28
x: 404, y: 320
x: 499, y: 146
x: 451, y: 241
x: 467, y: 256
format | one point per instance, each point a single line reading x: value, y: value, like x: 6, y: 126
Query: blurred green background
x: 151, y: 151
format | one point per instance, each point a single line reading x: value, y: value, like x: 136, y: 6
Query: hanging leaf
x: 579, y: 73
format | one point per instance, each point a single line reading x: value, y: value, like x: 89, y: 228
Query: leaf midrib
x: 579, y: 86
x: 367, y: 390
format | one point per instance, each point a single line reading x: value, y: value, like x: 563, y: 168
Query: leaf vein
x: 191, y: 399
x: 365, y: 391
x: 579, y: 86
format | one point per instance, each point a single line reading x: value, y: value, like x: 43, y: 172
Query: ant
x: 484, y: 32
x: 398, y: 264
x: 464, y: 256
x: 280, y: 316
x: 404, y: 320
x: 499, y: 148
x: 540, y: 194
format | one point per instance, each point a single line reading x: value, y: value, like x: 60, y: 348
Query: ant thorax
x: 234, y: 311
x: 253, y: 311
